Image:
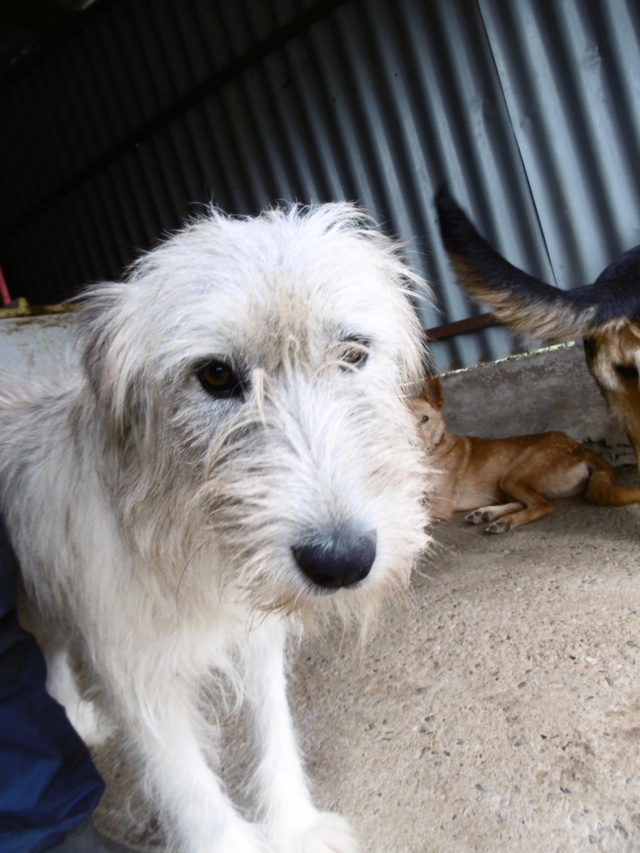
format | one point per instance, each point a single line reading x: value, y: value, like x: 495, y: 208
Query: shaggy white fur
x: 232, y: 455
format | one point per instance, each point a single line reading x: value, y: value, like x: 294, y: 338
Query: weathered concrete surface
x: 499, y: 708
x: 33, y: 346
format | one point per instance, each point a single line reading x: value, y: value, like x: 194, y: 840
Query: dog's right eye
x: 425, y: 419
x: 219, y: 380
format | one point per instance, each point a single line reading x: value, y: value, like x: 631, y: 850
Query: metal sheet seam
x: 488, y: 33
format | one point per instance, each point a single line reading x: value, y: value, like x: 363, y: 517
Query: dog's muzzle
x: 336, y: 558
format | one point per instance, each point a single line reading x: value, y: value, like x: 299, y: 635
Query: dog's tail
x: 525, y: 303
x: 603, y: 491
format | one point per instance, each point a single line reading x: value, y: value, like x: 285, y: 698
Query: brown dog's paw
x: 499, y: 527
x: 478, y: 516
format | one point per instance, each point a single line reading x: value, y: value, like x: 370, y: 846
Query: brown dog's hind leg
x: 535, y: 507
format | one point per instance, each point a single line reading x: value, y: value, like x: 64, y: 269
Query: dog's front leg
x: 164, y: 725
x: 293, y: 823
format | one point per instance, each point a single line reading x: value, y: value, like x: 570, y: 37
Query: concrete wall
x: 549, y: 389
x: 31, y: 346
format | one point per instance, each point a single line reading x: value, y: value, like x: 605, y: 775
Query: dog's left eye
x: 355, y: 356
x: 425, y: 419
x: 219, y: 380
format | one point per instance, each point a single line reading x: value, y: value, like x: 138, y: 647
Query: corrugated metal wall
x: 530, y: 111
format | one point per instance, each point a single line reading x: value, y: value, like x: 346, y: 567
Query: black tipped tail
x: 519, y: 300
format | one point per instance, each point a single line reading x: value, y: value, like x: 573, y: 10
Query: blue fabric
x: 48, y: 783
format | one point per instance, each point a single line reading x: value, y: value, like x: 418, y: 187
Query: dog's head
x: 613, y: 357
x: 248, y: 377
x: 427, y: 411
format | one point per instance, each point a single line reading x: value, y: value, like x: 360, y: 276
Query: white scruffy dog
x: 232, y: 454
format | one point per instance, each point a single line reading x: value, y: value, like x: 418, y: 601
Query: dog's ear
x: 108, y: 358
x: 433, y: 393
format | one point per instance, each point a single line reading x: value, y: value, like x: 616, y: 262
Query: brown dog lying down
x: 527, y: 471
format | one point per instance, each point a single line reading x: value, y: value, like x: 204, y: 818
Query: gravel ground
x: 497, y: 708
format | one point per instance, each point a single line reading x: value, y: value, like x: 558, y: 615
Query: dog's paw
x: 240, y: 837
x: 478, y: 516
x: 331, y: 833
x: 499, y: 526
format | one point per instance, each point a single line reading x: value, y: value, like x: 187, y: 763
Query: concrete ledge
x: 550, y: 389
x: 31, y: 347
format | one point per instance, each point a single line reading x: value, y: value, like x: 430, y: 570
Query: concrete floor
x: 497, y: 708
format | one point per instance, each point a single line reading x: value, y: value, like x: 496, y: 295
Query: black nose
x: 336, y: 558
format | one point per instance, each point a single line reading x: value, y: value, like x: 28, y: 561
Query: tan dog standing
x: 507, y: 481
